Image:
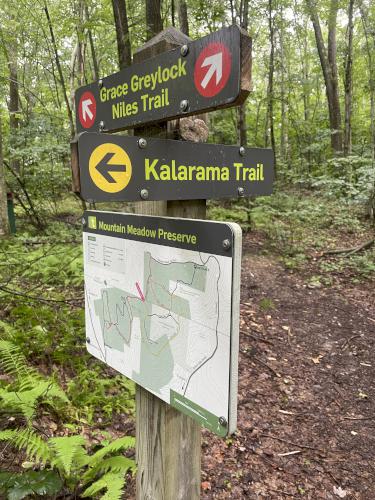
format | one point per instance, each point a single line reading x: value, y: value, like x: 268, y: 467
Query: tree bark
x: 348, y: 82
x: 14, y: 101
x: 370, y: 47
x: 183, y: 17
x: 122, y: 33
x: 61, y: 75
x: 154, y: 22
x: 92, y: 47
x: 271, y: 69
x: 4, y: 226
x: 328, y: 64
x: 242, y: 125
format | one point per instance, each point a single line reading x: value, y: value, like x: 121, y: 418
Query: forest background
x: 313, y: 102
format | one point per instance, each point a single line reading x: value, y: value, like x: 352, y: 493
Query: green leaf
x: 113, y: 483
x: 117, y: 464
x: 68, y: 452
x: 35, y: 483
x: 117, y: 445
x: 28, y: 441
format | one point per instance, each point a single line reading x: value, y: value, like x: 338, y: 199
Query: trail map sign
x: 209, y: 73
x: 162, y: 308
x: 128, y: 168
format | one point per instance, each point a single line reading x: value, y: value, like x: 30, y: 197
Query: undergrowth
x: 54, y: 397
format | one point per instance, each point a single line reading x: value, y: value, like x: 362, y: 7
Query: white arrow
x: 216, y: 66
x: 86, y: 111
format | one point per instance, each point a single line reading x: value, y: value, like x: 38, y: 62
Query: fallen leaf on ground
x: 317, y: 359
x: 339, y: 492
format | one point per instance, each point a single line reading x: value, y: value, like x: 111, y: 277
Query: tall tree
x: 60, y: 71
x: 242, y: 126
x: 348, y: 82
x: 270, y: 129
x: 154, y: 22
x: 328, y: 62
x: 92, y: 46
x: 122, y: 33
x: 14, y: 100
x: 183, y: 17
x: 4, y: 227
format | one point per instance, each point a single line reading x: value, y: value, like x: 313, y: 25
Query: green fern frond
x: 13, y: 361
x: 55, y: 392
x: 26, y: 401
x: 113, y: 483
x: 116, y: 465
x: 67, y: 450
x: 117, y: 445
x: 28, y: 441
x: 6, y: 331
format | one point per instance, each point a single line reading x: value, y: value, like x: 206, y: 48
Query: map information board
x: 162, y: 308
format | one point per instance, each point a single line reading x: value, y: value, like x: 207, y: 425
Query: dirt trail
x: 306, y: 390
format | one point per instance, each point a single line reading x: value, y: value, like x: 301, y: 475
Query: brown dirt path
x: 306, y: 386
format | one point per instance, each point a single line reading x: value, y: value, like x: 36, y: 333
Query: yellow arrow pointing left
x: 107, y: 179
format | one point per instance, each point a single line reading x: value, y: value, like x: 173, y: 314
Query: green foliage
x: 31, y: 389
x: 42, y: 483
x: 111, y: 482
x: 67, y: 455
x: 29, y: 441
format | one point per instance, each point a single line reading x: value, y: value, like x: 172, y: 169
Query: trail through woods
x: 306, y: 391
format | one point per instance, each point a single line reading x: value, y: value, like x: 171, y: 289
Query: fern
x: 68, y: 453
x: 117, y: 445
x: 26, y: 401
x: 27, y: 440
x: 116, y: 465
x: 113, y: 483
x: 13, y: 361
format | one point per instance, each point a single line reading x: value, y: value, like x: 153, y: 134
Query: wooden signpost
x: 180, y: 78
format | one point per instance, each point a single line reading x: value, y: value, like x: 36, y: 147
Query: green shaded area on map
x: 204, y: 417
x: 117, y: 309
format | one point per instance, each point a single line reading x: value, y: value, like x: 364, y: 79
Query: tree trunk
x: 92, y: 47
x: 284, y: 101
x: 183, y: 17
x: 61, y: 75
x: 154, y: 21
x: 14, y: 102
x: 369, y: 49
x: 122, y: 33
x: 329, y: 68
x: 348, y: 82
x: 242, y: 125
x: 4, y: 226
x: 271, y: 69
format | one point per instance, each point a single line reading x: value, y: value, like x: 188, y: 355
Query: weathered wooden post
x: 168, y: 442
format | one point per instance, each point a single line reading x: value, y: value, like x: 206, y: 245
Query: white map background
x: 164, y: 336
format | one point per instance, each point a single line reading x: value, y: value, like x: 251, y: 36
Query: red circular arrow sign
x: 87, y: 109
x: 212, y: 69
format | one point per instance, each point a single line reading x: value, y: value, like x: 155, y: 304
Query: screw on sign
x: 212, y: 69
x: 87, y: 110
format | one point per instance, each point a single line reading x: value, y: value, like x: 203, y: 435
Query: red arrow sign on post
x: 87, y: 110
x: 212, y: 69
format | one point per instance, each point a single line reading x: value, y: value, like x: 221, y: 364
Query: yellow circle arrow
x: 110, y: 167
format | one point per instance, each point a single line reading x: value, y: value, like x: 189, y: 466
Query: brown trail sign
x: 129, y: 168
x: 210, y: 73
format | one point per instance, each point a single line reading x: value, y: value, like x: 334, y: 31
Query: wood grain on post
x: 168, y: 442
